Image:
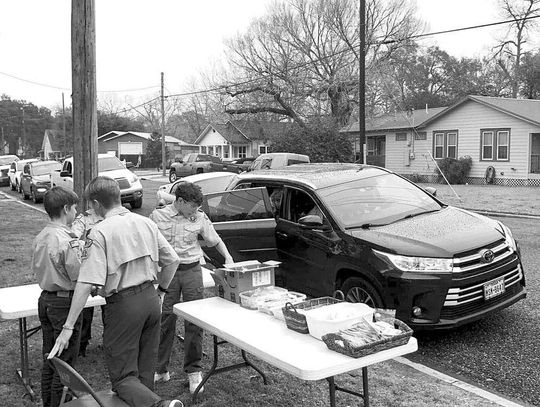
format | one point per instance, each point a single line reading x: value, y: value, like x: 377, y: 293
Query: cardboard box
x: 236, y: 278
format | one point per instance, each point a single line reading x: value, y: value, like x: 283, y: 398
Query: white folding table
x: 270, y: 340
x: 18, y: 303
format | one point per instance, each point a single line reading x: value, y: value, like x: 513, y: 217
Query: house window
x: 242, y: 151
x: 495, y: 144
x: 401, y: 136
x: 445, y: 144
x: 420, y: 135
x: 263, y: 149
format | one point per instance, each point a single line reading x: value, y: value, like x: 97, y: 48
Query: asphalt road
x: 500, y: 352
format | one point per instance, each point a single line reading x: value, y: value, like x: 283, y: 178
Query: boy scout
x: 122, y: 256
x: 56, y: 260
x: 181, y: 223
x: 81, y: 226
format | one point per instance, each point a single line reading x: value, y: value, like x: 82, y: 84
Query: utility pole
x: 23, y: 148
x: 64, y: 124
x: 362, y: 81
x: 83, y: 84
x: 164, y: 173
x: 2, y: 141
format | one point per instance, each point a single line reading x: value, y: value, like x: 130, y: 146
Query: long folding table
x: 269, y: 339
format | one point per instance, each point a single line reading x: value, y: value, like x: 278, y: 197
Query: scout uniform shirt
x: 122, y: 251
x: 56, y: 258
x: 182, y: 233
x: 84, y: 222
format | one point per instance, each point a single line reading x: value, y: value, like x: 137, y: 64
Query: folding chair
x: 86, y: 396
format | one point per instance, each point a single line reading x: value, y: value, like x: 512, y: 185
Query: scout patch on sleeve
x: 87, y: 246
x: 74, y: 243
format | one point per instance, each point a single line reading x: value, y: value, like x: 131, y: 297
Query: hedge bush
x: 455, y: 171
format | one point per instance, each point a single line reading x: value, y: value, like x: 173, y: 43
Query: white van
x: 276, y: 160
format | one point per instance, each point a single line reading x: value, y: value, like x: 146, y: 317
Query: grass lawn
x: 391, y: 383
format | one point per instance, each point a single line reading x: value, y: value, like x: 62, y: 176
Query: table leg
x: 214, y: 370
x: 22, y: 371
x: 333, y: 388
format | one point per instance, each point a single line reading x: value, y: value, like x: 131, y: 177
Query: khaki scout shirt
x: 183, y: 233
x: 84, y: 222
x: 56, y: 258
x: 122, y: 251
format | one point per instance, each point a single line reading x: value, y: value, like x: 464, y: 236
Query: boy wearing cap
x: 56, y: 259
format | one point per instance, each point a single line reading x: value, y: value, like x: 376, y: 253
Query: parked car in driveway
x: 238, y: 165
x: 15, y: 173
x: 209, y: 182
x: 194, y: 163
x: 5, y: 163
x: 36, y: 178
x: 376, y: 236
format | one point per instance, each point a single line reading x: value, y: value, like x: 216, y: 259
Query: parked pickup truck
x: 195, y: 163
x: 108, y: 166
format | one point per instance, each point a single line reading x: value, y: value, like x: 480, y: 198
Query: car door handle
x: 282, y: 235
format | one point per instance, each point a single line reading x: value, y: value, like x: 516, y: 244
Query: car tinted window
x: 377, y: 200
x: 300, y: 204
x: 215, y: 159
x: 244, y: 204
x: 292, y: 162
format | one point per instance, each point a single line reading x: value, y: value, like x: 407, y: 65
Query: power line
x: 69, y: 89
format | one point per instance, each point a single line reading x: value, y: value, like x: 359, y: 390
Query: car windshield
x: 209, y: 186
x: 109, y: 164
x: 263, y: 163
x: 376, y: 201
x: 8, y: 159
x: 45, y: 168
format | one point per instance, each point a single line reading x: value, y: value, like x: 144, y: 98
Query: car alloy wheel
x: 172, y: 176
x: 357, y: 289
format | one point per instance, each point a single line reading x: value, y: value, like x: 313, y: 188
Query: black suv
x: 374, y: 235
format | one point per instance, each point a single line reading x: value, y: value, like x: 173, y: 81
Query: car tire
x: 356, y: 289
x: 136, y: 204
x: 172, y: 176
x: 35, y: 199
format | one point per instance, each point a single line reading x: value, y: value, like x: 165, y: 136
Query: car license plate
x: 494, y: 288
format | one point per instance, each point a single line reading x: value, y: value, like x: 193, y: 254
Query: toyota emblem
x: 487, y: 256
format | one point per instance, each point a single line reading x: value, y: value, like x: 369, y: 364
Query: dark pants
x: 53, y: 311
x: 130, y: 341
x: 86, y: 328
x: 189, y: 284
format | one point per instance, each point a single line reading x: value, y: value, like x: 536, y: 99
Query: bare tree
x: 301, y: 59
x: 510, y: 51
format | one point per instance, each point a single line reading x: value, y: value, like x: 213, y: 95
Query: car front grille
x: 471, y: 262
x: 469, y: 299
x: 123, y: 183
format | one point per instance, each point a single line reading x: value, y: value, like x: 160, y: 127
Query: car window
x: 377, y: 200
x: 244, y: 204
x: 300, y: 204
x: 26, y: 169
x: 293, y: 161
x: 275, y: 194
x: 13, y: 166
x: 215, y: 159
x: 109, y: 164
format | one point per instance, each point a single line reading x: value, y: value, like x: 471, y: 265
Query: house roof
x: 241, y: 132
x: 147, y: 136
x: 396, y: 121
x: 524, y: 109
x: 54, y: 137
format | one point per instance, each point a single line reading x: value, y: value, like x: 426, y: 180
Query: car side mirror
x: 65, y: 174
x: 313, y: 222
x: 431, y: 190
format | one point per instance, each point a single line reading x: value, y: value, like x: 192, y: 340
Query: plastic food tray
x: 253, y: 299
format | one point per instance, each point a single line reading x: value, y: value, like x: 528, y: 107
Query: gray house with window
x: 495, y: 132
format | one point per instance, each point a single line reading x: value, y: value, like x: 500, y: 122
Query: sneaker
x: 195, y: 379
x: 162, y: 377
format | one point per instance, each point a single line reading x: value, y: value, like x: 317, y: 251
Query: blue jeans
x: 53, y: 311
x: 189, y: 284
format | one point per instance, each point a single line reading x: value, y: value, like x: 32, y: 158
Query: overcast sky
x: 136, y: 40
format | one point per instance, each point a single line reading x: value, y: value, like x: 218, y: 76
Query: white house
x: 495, y: 132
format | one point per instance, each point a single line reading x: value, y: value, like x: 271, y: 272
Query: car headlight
x: 508, y: 237
x: 133, y: 178
x: 418, y: 264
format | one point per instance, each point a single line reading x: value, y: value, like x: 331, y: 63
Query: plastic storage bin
x: 334, y: 317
